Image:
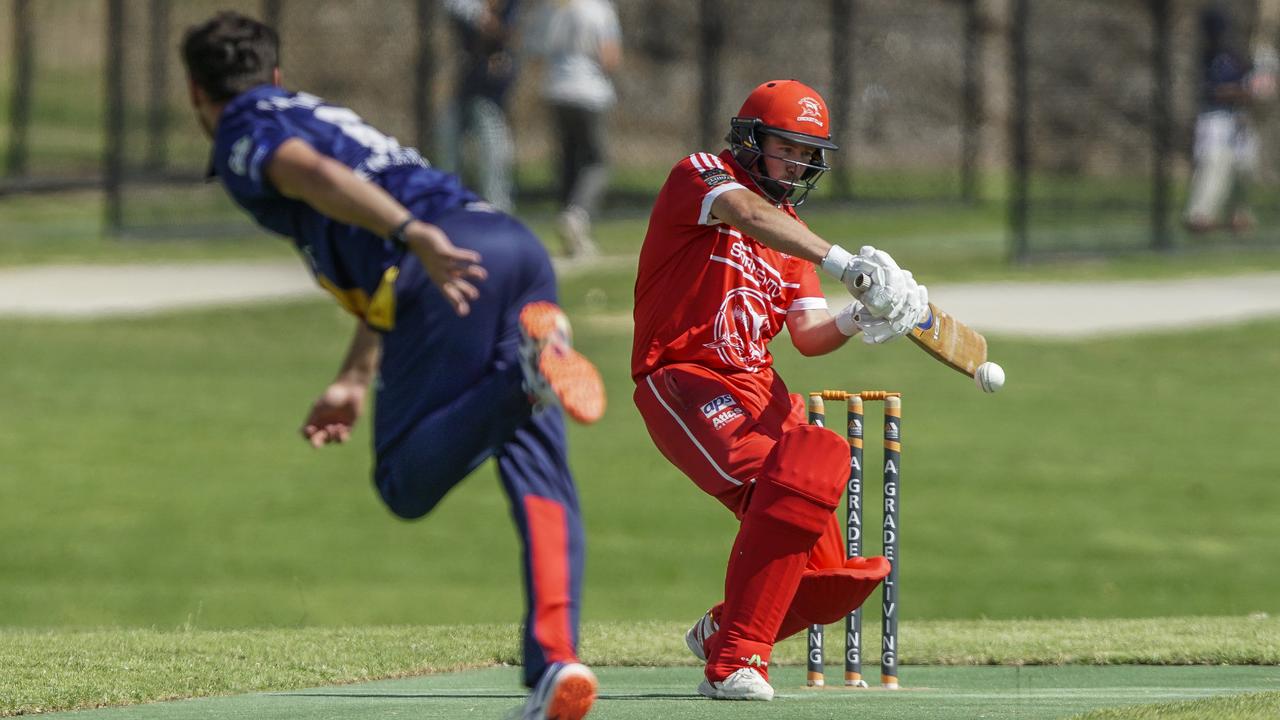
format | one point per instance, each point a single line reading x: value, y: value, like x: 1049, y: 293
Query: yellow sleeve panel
x: 379, y: 311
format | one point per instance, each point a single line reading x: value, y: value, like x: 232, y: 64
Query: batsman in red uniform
x: 726, y: 264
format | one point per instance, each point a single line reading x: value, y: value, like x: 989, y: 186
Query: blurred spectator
x: 580, y: 43
x: 1226, y: 146
x: 486, y: 31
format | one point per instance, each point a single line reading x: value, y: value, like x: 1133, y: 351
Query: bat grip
x: 871, y: 296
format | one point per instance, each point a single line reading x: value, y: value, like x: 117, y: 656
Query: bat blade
x: 950, y: 341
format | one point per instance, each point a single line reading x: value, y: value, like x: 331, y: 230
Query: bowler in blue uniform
x: 455, y: 315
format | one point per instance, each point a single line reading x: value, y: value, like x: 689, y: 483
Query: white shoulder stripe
x: 808, y: 303
x: 704, y: 214
x: 697, y: 162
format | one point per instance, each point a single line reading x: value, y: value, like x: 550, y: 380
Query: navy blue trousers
x: 450, y: 397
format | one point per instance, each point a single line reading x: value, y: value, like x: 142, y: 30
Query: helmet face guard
x: 746, y: 140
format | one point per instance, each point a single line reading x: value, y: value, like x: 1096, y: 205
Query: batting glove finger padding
x: 875, y: 330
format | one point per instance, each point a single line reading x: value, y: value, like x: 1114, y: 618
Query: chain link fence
x: 97, y: 97
x: 1104, y: 103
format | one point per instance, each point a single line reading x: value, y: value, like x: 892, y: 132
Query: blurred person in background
x: 469, y: 361
x: 477, y: 119
x: 726, y: 265
x: 1225, y: 153
x: 580, y: 44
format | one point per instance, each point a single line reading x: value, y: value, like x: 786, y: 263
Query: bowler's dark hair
x: 229, y: 54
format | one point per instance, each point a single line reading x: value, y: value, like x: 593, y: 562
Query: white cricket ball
x: 989, y: 377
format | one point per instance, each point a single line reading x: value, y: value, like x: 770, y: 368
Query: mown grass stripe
x: 1245, y: 706
x: 59, y: 670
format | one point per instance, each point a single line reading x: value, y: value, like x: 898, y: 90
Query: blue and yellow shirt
x: 356, y: 266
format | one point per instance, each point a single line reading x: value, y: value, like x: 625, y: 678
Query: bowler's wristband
x: 397, y: 236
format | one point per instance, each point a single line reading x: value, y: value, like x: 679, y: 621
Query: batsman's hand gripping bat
x: 948, y: 340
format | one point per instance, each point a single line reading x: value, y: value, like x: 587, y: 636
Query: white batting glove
x: 877, y: 265
x: 855, y: 318
x: 875, y: 330
x: 838, y: 264
x: 914, y: 310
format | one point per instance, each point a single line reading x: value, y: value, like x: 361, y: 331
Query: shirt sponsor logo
x: 718, y: 404
x: 715, y: 176
x: 759, y: 271
x: 726, y: 417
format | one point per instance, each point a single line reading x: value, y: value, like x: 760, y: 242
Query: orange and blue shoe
x: 565, y: 692
x: 555, y: 373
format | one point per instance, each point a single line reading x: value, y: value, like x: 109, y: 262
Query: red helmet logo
x: 810, y: 111
x: 791, y: 109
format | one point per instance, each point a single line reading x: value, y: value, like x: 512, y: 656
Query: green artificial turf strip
x: 59, y: 669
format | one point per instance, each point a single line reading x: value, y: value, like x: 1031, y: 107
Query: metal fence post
x: 842, y: 69
x: 157, y: 92
x: 20, y: 90
x: 972, y: 129
x: 1019, y: 130
x: 272, y: 13
x: 1161, y: 124
x: 424, y: 76
x: 711, y: 37
x: 113, y: 145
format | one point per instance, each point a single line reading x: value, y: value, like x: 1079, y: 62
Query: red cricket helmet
x: 793, y: 111
x: 790, y: 109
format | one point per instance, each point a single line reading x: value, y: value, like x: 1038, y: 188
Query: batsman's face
x: 782, y: 158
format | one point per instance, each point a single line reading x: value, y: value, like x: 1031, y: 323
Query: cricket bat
x: 948, y: 340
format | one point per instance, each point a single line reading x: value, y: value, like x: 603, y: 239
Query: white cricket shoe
x: 743, y: 684
x: 565, y: 692
x: 697, y: 636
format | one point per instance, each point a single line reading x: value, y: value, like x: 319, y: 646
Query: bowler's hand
x: 334, y: 413
x: 451, y: 268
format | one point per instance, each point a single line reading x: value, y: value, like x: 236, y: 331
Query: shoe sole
x: 572, y: 377
x: 573, y: 696
x: 706, y: 689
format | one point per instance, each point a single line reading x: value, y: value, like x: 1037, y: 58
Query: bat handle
x: 874, y: 298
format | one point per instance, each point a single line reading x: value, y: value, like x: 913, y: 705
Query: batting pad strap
x: 836, y: 261
x: 800, y: 482
x: 825, y: 596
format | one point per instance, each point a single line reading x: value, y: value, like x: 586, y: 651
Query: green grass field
x: 156, y: 478
x: 168, y: 535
